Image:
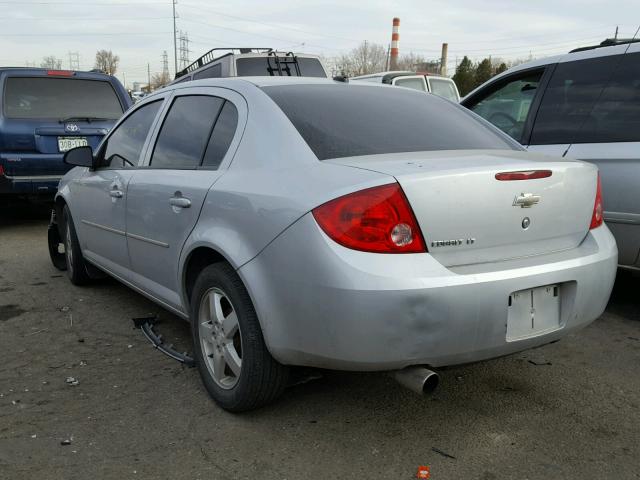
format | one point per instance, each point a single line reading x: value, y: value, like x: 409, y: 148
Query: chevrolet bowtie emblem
x: 526, y: 200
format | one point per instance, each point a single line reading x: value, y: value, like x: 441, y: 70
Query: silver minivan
x: 584, y: 105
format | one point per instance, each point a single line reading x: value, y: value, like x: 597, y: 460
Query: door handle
x: 116, y: 193
x: 180, y: 202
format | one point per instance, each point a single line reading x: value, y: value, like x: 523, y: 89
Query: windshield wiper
x: 87, y: 119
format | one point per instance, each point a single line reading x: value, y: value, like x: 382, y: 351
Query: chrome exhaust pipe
x: 417, y: 379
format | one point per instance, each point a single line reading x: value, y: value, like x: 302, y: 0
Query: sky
x: 139, y: 31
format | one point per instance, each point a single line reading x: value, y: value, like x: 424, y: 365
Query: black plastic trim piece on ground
x: 146, y: 324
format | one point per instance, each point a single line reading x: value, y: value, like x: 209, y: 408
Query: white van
x: 425, y: 82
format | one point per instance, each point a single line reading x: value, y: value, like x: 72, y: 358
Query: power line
x: 272, y: 25
x: 58, y: 34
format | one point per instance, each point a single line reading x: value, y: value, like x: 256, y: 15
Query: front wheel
x: 76, y: 267
x: 235, y: 366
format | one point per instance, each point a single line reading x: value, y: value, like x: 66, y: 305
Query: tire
x: 76, y: 267
x: 54, y: 241
x: 257, y: 379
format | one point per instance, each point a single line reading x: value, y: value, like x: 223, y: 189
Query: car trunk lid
x: 468, y: 216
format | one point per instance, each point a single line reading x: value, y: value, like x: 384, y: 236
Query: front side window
x: 568, y: 101
x: 444, y: 89
x: 344, y: 120
x: 507, y: 106
x: 185, y: 132
x: 417, y: 83
x: 60, y: 98
x: 124, y: 146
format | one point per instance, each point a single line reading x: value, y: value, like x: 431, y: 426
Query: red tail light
x: 597, y: 217
x: 525, y: 175
x: 377, y: 219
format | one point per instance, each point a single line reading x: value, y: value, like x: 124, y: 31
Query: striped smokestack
x: 395, y: 36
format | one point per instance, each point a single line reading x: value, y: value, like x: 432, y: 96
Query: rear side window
x: 444, y: 89
x: 60, y: 98
x: 125, y: 143
x: 185, y: 132
x: 616, y: 116
x: 221, y: 136
x: 349, y: 120
x: 266, y: 66
x: 569, y: 99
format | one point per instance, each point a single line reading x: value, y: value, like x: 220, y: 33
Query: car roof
x: 43, y: 71
x: 241, y: 83
x: 563, y: 58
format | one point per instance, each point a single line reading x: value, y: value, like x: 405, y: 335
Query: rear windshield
x: 42, y: 97
x: 348, y: 120
x: 259, y: 67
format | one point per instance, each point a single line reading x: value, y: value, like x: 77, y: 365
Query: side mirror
x: 80, y: 157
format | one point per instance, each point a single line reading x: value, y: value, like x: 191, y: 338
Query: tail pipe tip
x: 418, y: 379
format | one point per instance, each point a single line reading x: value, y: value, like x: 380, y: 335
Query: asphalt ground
x: 569, y: 410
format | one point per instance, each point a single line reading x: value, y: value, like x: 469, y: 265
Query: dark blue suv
x: 47, y: 112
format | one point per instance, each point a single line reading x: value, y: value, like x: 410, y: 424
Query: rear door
x: 610, y: 138
x: 100, y: 196
x: 416, y: 82
x: 45, y: 114
x: 194, y: 143
x: 443, y: 87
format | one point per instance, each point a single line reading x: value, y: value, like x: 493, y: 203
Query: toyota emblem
x: 71, y: 127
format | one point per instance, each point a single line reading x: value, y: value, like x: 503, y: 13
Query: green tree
x: 465, y: 76
x: 501, y: 68
x: 484, y: 71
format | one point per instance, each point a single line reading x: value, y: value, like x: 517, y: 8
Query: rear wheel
x: 236, y: 368
x: 76, y: 267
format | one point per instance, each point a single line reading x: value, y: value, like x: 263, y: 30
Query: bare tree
x: 411, y: 61
x: 51, y: 62
x: 364, y: 59
x: 107, y: 61
x: 159, y: 80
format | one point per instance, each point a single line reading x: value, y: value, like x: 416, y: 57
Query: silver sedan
x: 306, y: 222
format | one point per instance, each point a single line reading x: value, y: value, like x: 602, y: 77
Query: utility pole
x: 175, y: 41
x: 165, y: 67
x: 148, y: 78
x: 184, y: 50
x: 124, y: 80
x: 74, y: 61
x: 443, y: 59
x: 616, y: 35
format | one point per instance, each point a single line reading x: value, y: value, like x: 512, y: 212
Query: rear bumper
x: 24, y: 173
x: 29, y: 184
x: 326, y: 306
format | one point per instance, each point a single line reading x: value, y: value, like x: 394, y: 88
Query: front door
x: 166, y: 196
x: 101, y: 195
